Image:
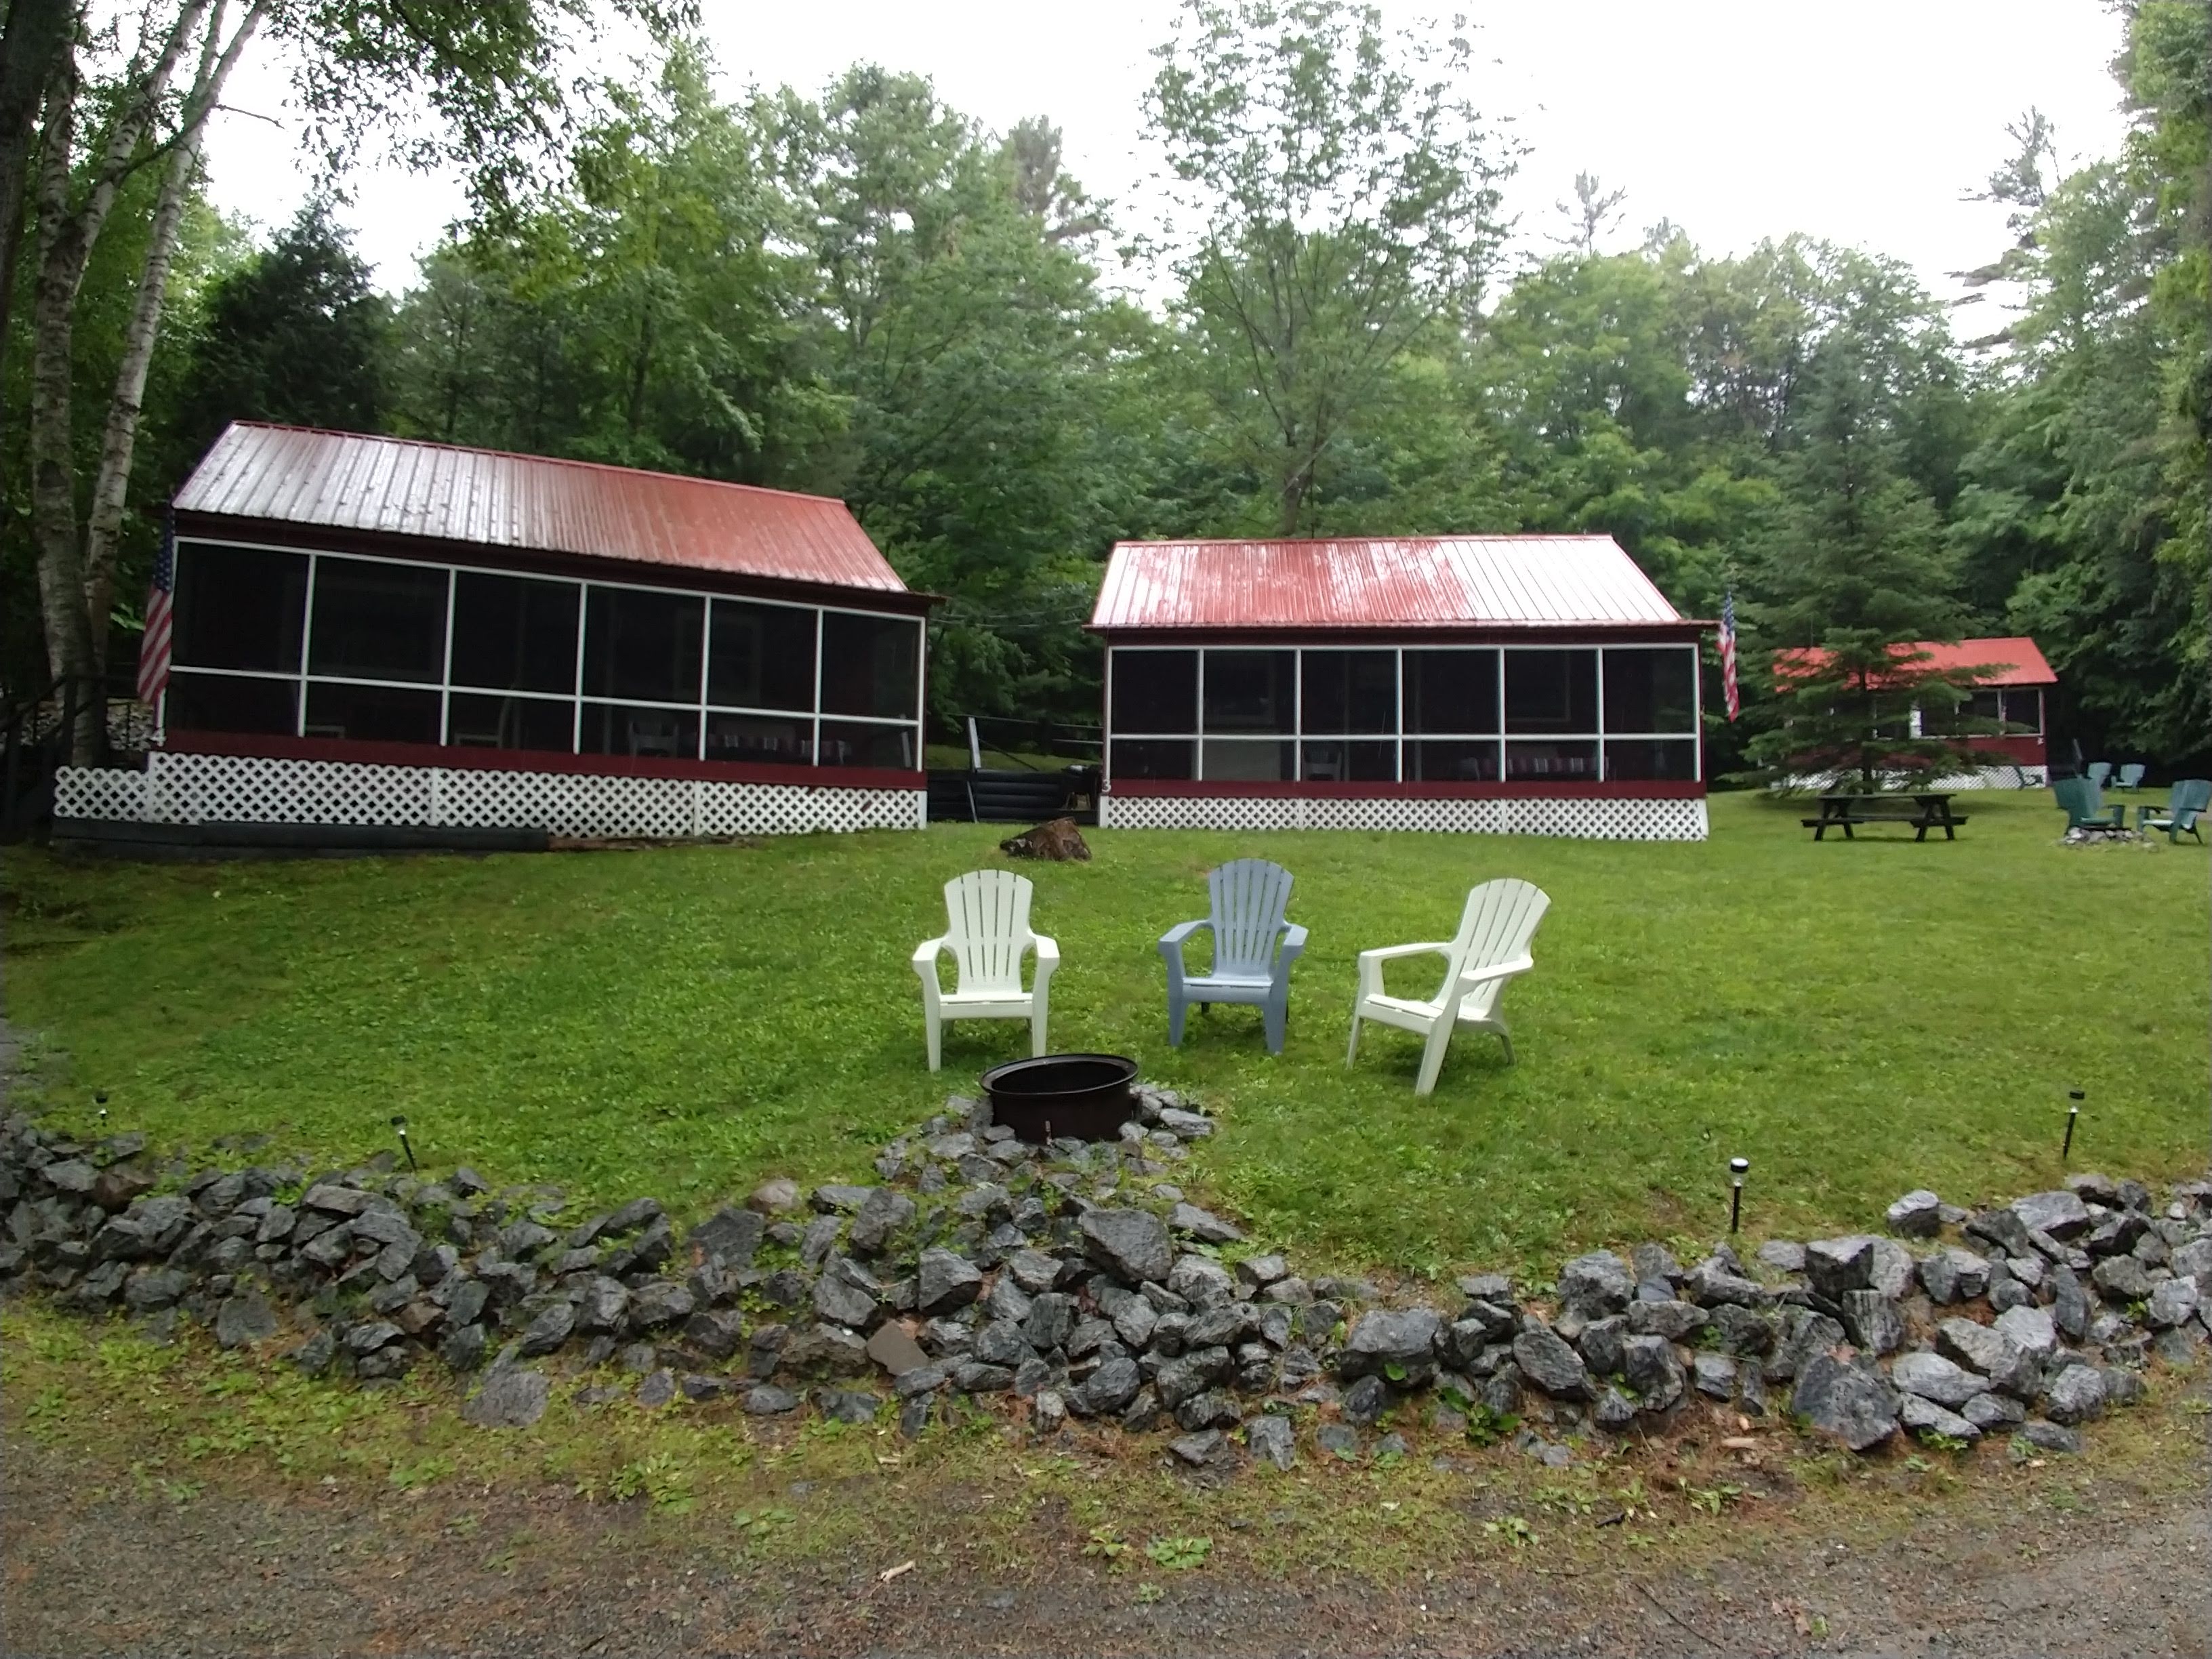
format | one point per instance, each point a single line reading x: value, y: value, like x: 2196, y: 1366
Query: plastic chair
x: 1490, y: 948
x: 2185, y: 805
x: 1253, y: 949
x: 987, y: 932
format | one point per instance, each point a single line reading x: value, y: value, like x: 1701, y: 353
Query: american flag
x: 154, y: 646
x: 1728, y: 691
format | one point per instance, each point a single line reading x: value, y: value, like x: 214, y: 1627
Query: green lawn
x: 1858, y: 1018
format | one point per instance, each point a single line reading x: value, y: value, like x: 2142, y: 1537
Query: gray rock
x: 371, y: 1334
x: 1033, y: 1271
x: 463, y: 1350
x: 716, y: 1332
x: 2173, y: 1302
x: 1051, y: 1320
x: 1856, y: 1407
x: 1548, y: 1361
x: 1001, y: 1342
x: 659, y: 1302
x: 1872, y: 1320
x: 766, y: 1400
x: 1713, y: 1375
x: 1805, y: 1333
x: 2194, y: 1260
x: 1337, y: 1440
x: 848, y: 1294
x: 1922, y: 1416
x: 1836, y: 1264
x: 1256, y: 1273
x: 2030, y: 1328
x: 1200, y: 1448
x: 1674, y: 1320
x: 1918, y: 1214
x: 852, y: 1406
x: 731, y: 1236
x: 2049, y: 1437
x: 1202, y: 1225
x: 1131, y: 1244
x: 1614, y: 1410
x: 1648, y: 1365
x: 1600, y: 1344
x: 1743, y: 1331
x: 604, y: 1309
x: 2122, y: 1279
x: 1931, y: 1376
x: 945, y: 1282
x: 2009, y: 1367
x: 1201, y: 1281
x: 336, y: 1200
x: 1211, y: 1409
x: 1108, y: 1389
x: 2075, y: 1395
x: 1953, y: 1275
x: 1993, y: 1411
x: 2122, y: 1387
x: 511, y: 1397
x: 1364, y: 1401
x: 1187, y: 1126
x: 1782, y: 1255
x: 1270, y: 1440
x: 921, y: 1379
x: 549, y: 1330
x: 1595, y: 1285
x: 882, y: 1214
x: 2001, y: 1229
x: 244, y: 1318
x: 1385, y: 1340
x: 2061, y: 1214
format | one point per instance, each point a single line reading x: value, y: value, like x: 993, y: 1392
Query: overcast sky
x: 1864, y: 123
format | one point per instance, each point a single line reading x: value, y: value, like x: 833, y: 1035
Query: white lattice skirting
x: 1608, y: 818
x: 241, y: 789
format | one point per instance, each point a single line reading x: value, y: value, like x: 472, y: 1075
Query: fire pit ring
x: 1076, y: 1096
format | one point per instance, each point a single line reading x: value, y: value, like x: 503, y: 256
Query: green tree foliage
x: 1853, y: 563
x: 296, y: 334
x: 1345, y: 193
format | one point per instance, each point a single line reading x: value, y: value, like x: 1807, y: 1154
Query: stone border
x: 1076, y: 1281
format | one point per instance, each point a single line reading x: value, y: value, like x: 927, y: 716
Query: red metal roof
x: 2012, y: 661
x: 1379, y: 582
x: 399, y: 487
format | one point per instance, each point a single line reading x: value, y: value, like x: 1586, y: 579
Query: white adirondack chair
x: 1490, y: 948
x: 986, y: 932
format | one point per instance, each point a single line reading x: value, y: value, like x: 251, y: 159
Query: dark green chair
x: 2083, y: 803
x: 2184, y: 808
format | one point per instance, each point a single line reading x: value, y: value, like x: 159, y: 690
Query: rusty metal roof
x: 1379, y: 583
x: 2011, y: 660
x: 399, y: 487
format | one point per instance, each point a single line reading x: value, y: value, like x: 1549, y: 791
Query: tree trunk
x: 111, y: 486
x: 31, y: 47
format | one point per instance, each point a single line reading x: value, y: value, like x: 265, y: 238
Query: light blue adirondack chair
x: 2098, y: 771
x: 2083, y: 803
x: 2186, y: 806
x: 2131, y: 775
x: 1253, y: 949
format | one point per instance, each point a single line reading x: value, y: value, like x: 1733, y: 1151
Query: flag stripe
x: 1729, y: 693
x: 153, y: 647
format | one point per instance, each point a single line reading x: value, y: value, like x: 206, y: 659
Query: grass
x: 1856, y: 1018
x: 185, y: 1421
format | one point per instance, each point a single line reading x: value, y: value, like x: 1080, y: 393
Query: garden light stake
x: 406, y: 1146
x: 2073, y: 1112
x: 1738, y: 1168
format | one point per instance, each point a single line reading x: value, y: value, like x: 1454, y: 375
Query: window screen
x: 379, y: 622
x: 238, y: 607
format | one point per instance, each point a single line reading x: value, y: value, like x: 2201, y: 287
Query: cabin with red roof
x: 379, y: 632
x: 2011, y: 678
x: 1511, y: 685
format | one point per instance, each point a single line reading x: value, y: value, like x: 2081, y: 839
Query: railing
x: 1026, y: 742
x: 37, y: 735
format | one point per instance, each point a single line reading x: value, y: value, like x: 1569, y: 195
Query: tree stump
x: 1058, y: 840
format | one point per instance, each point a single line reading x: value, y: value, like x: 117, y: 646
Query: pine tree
x: 1853, y: 572
x: 296, y: 336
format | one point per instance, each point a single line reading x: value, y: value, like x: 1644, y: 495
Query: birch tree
x: 129, y: 92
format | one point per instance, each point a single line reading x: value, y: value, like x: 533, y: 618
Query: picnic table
x: 1922, y: 812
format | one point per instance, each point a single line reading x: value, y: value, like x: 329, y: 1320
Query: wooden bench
x: 1920, y: 813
